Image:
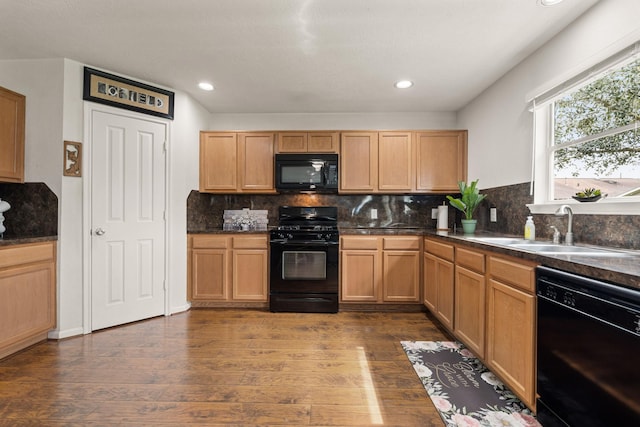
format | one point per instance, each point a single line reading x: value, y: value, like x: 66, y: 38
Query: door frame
x: 89, y: 109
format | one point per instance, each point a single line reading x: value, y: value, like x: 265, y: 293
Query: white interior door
x: 127, y: 219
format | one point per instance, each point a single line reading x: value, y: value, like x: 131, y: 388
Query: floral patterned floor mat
x: 462, y: 389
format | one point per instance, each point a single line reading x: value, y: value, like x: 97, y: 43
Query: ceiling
x: 293, y: 56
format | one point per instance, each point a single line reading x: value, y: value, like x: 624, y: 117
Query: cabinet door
x: 360, y: 275
x: 292, y: 142
x: 469, y: 294
x: 441, y: 160
x: 256, y: 157
x: 27, y: 305
x: 209, y: 274
x: 396, y: 170
x: 250, y: 274
x: 12, y: 122
x: 439, y: 287
x: 510, y: 338
x: 358, y: 162
x: 401, y: 276
x: 218, y: 162
x: 322, y: 142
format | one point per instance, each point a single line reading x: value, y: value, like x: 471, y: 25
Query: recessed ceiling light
x: 205, y: 86
x: 550, y: 2
x: 404, y: 84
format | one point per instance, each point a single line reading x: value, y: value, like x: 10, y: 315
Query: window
x: 587, y: 136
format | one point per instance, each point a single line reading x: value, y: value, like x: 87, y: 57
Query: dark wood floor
x: 226, y: 367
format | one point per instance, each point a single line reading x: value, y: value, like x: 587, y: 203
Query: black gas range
x: 304, y: 260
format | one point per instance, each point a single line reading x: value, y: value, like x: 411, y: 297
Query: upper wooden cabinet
x: 358, y: 162
x: 441, y: 160
x: 396, y: 171
x: 232, y: 162
x: 402, y: 162
x: 371, y: 162
x: 12, y: 122
x: 376, y: 162
x: 308, y: 142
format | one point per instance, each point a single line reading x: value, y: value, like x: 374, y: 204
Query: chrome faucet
x: 564, y: 210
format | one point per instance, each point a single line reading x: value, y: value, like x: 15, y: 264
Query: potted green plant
x: 469, y: 200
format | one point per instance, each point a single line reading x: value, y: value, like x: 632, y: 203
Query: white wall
x: 55, y: 112
x: 499, y: 123
x: 329, y: 121
x: 190, y: 118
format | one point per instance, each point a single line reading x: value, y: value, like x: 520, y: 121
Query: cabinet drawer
x: 401, y: 243
x: 441, y: 250
x: 513, y: 273
x: 472, y: 260
x: 26, y: 254
x: 250, y: 242
x: 210, y: 242
x: 359, y: 242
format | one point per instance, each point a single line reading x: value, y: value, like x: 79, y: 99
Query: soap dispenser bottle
x: 529, y: 229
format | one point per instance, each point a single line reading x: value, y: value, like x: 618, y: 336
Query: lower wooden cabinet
x: 380, y: 269
x: 470, y: 299
x: 438, y: 280
x: 488, y: 302
x: 27, y: 295
x: 228, y: 268
x: 511, y: 326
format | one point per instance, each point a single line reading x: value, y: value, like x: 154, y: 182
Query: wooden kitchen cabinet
x: 250, y: 272
x: 377, y: 162
x: 228, y: 268
x: 380, y: 269
x: 401, y: 268
x: 256, y: 162
x: 359, y: 162
x: 360, y: 268
x: 470, y: 301
x: 511, y: 329
x: 232, y: 162
x: 308, y: 142
x: 12, y: 130
x: 438, y: 282
x: 441, y: 160
x: 396, y: 167
x: 27, y: 295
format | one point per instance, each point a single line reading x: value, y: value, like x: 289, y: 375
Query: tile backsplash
x: 205, y: 212
x: 34, y: 210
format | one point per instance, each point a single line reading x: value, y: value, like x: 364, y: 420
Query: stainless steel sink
x: 502, y: 241
x: 546, y: 248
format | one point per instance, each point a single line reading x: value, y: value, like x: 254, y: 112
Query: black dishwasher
x: 588, y: 365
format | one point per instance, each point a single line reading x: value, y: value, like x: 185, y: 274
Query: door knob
x: 99, y: 231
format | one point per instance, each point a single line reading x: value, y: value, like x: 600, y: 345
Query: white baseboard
x: 181, y: 308
x: 58, y: 334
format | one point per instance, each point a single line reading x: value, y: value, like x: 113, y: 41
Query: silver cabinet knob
x: 99, y: 231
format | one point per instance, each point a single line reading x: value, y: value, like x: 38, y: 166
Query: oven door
x: 304, y: 276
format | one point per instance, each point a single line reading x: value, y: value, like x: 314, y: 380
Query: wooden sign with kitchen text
x: 119, y: 92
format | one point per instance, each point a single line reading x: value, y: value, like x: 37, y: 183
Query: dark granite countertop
x: 9, y: 241
x: 220, y: 231
x: 407, y: 231
x: 623, y: 271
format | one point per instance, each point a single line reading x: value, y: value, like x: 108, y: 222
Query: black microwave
x: 307, y: 172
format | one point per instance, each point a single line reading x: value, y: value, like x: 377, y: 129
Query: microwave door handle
x: 325, y: 173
